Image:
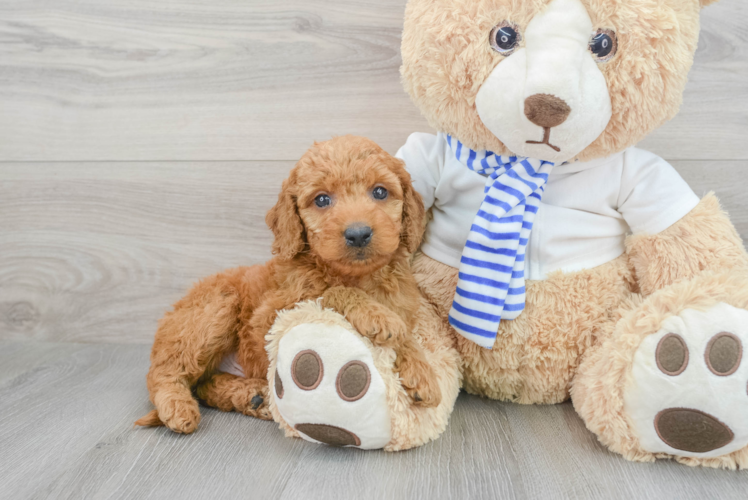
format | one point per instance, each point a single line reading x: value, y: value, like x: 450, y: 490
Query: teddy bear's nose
x: 545, y: 110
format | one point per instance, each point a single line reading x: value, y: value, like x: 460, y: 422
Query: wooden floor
x: 141, y: 143
x: 66, y: 413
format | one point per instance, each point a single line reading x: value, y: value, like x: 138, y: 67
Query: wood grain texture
x: 218, y: 80
x: 97, y: 252
x: 66, y: 432
x: 259, y: 80
x: 94, y: 252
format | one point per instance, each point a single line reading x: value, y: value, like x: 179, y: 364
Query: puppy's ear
x: 704, y: 3
x: 284, y: 221
x: 414, y: 213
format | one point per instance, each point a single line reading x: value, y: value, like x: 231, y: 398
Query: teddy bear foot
x: 327, y: 388
x: 687, y: 395
x: 669, y: 380
x: 328, y: 384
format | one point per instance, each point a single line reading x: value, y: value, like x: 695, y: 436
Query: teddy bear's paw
x: 687, y: 394
x: 327, y: 388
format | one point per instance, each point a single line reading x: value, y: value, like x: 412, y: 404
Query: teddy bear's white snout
x: 549, y: 99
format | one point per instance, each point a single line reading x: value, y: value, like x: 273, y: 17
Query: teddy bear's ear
x: 704, y: 3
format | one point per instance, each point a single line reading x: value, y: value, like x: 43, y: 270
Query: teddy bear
x: 559, y: 261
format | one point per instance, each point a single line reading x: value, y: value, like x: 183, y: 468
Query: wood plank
x: 714, y: 117
x: 97, y: 252
x: 722, y: 178
x: 20, y: 359
x: 259, y: 80
x: 66, y: 432
x: 219, y: 80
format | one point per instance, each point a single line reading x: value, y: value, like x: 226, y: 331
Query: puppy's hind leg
x: 191, y: 341
x: 229, y: 392
x: 175, y: 408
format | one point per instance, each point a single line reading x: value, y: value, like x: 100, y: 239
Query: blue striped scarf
x: 491, y: 284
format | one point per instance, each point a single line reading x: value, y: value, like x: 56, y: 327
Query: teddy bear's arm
x: 703, y: 240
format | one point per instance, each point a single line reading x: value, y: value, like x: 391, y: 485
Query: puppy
x: 346, y: 223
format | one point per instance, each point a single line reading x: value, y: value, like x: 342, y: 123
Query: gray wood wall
x: 142, y: 142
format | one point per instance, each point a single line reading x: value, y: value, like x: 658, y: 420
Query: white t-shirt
x: 587, y: 210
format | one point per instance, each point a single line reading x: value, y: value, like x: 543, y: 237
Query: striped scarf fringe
x: 491, y: 285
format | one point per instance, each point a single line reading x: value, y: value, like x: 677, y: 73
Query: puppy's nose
x: 545, y: 110
x: 358, y: 235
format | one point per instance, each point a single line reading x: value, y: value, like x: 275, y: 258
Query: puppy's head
x: 348, y: 203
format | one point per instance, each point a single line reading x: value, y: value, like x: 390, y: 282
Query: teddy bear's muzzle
x: 552, y: 82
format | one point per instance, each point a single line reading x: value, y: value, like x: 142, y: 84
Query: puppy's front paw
x: 419, y: 381
x: 381, y: 327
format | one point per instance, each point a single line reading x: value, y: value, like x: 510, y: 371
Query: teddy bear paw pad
x: 688, y: 391
x: 327, y: 387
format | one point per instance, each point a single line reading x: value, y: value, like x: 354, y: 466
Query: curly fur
x: 373, y: 286
x: 536, y: 356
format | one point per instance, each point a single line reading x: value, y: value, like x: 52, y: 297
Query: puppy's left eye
x: 323, y: 201
x: 379, y: 193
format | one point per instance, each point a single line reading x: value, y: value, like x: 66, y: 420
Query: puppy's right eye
x: 379, y: 193
x: 323, y: 201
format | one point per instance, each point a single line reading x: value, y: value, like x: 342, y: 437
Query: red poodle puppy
x: 345, y: 225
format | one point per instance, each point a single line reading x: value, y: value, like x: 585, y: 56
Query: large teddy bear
x: 560, y: 260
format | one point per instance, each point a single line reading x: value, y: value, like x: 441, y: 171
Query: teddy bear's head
x: 549, y: 79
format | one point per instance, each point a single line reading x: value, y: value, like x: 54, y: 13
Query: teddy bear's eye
x: 505, y: 38
x: 604, y: 45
